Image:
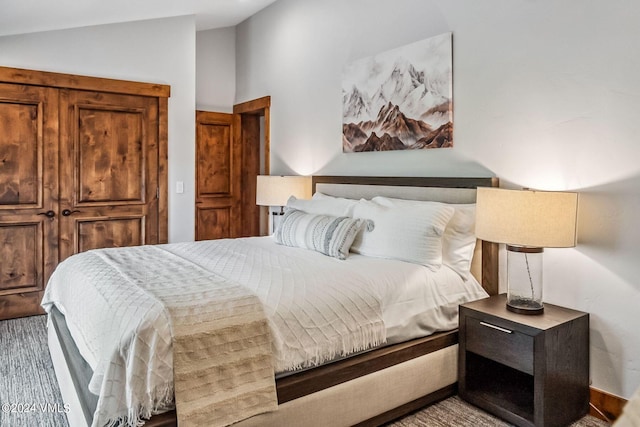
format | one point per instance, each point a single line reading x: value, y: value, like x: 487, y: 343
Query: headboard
x: 447, y: 190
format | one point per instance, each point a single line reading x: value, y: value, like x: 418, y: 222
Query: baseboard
x: 605, y: 406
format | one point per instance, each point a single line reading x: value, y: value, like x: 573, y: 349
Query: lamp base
x: 524, y: 279
x: 276, y: 217
x: 523, y: 306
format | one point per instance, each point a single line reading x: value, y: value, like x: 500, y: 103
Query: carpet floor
x: 455, y: 412
x: 29, y: 394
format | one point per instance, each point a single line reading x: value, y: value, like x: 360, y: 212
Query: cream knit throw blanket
x: 222, y: 358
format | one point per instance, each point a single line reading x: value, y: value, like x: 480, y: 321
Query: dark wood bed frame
x: 301, y: 384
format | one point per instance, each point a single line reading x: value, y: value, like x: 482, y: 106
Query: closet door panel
x: 109, y: 232
x: 110, y: 158
x: 20, y: 155
x: 28, y: 196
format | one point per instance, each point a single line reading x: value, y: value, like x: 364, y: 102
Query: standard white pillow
x: 394, y: 232
x: 322, y: 204
x: 326, y: 234
x: 458, y: 239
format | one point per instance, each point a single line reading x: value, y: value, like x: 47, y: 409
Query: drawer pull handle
x: 489, y: 325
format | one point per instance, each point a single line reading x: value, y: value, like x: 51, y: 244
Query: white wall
x: 158, y: 51
x: 216, y: 69
x: 546, y: 95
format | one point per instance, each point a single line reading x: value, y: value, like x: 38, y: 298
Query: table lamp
x: 274, y: 190
x: 527, y: 221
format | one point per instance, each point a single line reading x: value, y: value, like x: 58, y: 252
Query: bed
x: 368, y: 388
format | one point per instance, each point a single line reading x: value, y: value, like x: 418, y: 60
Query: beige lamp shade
x: 543, y: 219
x: 273, y: 190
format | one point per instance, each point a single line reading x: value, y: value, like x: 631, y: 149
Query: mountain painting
x: 400, y: 99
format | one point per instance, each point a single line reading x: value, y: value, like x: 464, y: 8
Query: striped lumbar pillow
x: 329, y: 235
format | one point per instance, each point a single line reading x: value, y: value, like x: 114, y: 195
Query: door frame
x: 246, y: 114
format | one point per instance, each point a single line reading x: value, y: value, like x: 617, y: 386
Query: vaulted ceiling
x: 28, y: 16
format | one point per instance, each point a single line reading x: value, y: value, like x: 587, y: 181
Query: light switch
x: 179, y: 187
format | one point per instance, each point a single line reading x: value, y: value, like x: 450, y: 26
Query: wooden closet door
x: 109, y: 171
x: 28, y: 194
x: 218, y: 177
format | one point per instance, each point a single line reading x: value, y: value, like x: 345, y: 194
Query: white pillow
x: 394, y: 232
x: 326, y: 234
x: 322, y: 204
x: 458, y: 239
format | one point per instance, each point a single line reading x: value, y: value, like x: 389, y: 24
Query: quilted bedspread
x: 317, y: 309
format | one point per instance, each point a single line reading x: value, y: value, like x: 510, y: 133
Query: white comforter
x: 319, y: 308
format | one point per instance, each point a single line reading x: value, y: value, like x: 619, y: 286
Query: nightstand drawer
x: 503, y: 345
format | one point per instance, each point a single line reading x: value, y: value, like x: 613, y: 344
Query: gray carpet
x: 28, y: 385
x: 455, y: 412
x: 28, y: 382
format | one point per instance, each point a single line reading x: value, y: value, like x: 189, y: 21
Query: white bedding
x: 414, y: 300
x: 301, y: 290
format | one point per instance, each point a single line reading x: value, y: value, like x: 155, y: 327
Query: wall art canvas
x: 400, y: 99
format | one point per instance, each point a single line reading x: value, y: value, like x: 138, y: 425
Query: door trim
x: 260, y: 107
x: 162, y: 192
x: 72, y: 81
x: 256, y: 107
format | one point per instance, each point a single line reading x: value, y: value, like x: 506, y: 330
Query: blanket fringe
x: 140, y: 413
x: 365, y: 338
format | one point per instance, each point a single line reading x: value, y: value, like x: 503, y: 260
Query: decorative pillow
x: 458, y: 239
x: 396, y: 232
x: 322, y: 204
x: 326, y: 234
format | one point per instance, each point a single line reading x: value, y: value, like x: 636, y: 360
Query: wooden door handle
x: 67, y: 212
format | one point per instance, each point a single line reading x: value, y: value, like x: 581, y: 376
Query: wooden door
x: 249, y: 136
x: 109, y: 171
x: 255, y: 160
x: 28, y: 196
x: 218, y: 177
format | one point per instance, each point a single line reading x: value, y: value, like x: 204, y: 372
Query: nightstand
x: 530, y: 370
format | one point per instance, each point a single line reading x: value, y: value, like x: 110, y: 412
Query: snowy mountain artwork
x: 400, y: 99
